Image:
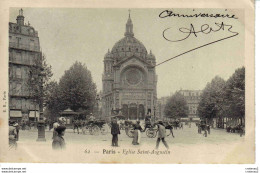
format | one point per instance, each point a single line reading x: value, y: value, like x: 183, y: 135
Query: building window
x: 18, y: 57
x: 18, y: 88
x: 18, y: 41
x: 10, y: 72
x: 26, y: 59
x: 31, y: 44
x: 18, y: 73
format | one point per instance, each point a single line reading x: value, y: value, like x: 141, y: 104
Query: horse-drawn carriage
x: 152, y: 129
x: 235, y: 129
x: 95, y: 127
x: 203, y: 126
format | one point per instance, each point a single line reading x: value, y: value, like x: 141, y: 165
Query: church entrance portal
x: 133, y: 111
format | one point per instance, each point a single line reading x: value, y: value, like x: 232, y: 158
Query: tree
x: 212, y: 98
x: 39, y: 75
x: 176, y: 106
x: 235, y: 94
x: 77, y: 89
x: 53, y: 100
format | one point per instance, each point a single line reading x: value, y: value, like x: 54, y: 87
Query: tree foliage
x: 176, y: 106
x: 53, y: 99
x: 40, y: 74
x: 76, y: 88
x: 224, y: 99
x: 211, y: 98
x: 234, y: 94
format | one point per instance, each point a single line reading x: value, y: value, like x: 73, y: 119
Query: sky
x: 68, y: 35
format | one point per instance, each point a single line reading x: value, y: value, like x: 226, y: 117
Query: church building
x: 129, y: 78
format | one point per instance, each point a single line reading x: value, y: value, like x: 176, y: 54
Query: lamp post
x: 154, y: 109
x: 97, y: 100
x: 41, y: 123
x: 128, y: 111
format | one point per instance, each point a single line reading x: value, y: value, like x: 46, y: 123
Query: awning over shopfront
x: 32, y: 114
x: 16, y: 114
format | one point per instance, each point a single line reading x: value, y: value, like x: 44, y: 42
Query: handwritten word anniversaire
x: 169, y: 13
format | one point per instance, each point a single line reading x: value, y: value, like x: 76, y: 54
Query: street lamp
x: 97, y: 100
x: 41, y: 123
x: 154, y: 109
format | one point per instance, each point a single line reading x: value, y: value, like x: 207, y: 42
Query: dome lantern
x: 129, y: 27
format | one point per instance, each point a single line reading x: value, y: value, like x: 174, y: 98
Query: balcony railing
x: 24, y: 47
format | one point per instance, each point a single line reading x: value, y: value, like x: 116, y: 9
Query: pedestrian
x: 12, y: 135
x: 241, y: 130
x: 137, y: 133
x: 115, y: 131
x: 50, y: 125
x: 208, y: 127
x: 17, y: 128
x: 60, y: 122
x: 58, y: 142
x: 148, y: 123
x: 76, y: 125
x: 23, y: 125
x: 182, y: 126
x: 199, y: 128
x: 161, y: 135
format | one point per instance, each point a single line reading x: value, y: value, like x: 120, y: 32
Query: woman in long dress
x: 137, y: 133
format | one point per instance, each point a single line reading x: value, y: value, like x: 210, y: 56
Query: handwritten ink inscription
x: 205, y: 29
x: 188, y: 32
x: 169, y: 13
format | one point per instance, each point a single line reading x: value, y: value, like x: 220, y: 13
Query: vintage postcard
x: 133, y: 83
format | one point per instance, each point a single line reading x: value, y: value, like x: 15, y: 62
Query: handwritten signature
x: 205, y: 29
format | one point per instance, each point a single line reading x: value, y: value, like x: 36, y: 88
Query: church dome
x: 129, y: 45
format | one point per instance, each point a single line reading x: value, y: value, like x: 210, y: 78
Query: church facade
x: 129, y: 78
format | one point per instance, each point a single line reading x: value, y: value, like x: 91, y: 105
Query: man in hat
x: 115, y: 131
x: 161, y: 135
x: 76, y: 124
x: 17, y: 128
x: 58, y: 141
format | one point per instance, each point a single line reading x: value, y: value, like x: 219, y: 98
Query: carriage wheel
x: 151, y: 133
x: 84, y: 130
x: 91, y: 130
x: 103, y: 131
x: 95, y: 130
